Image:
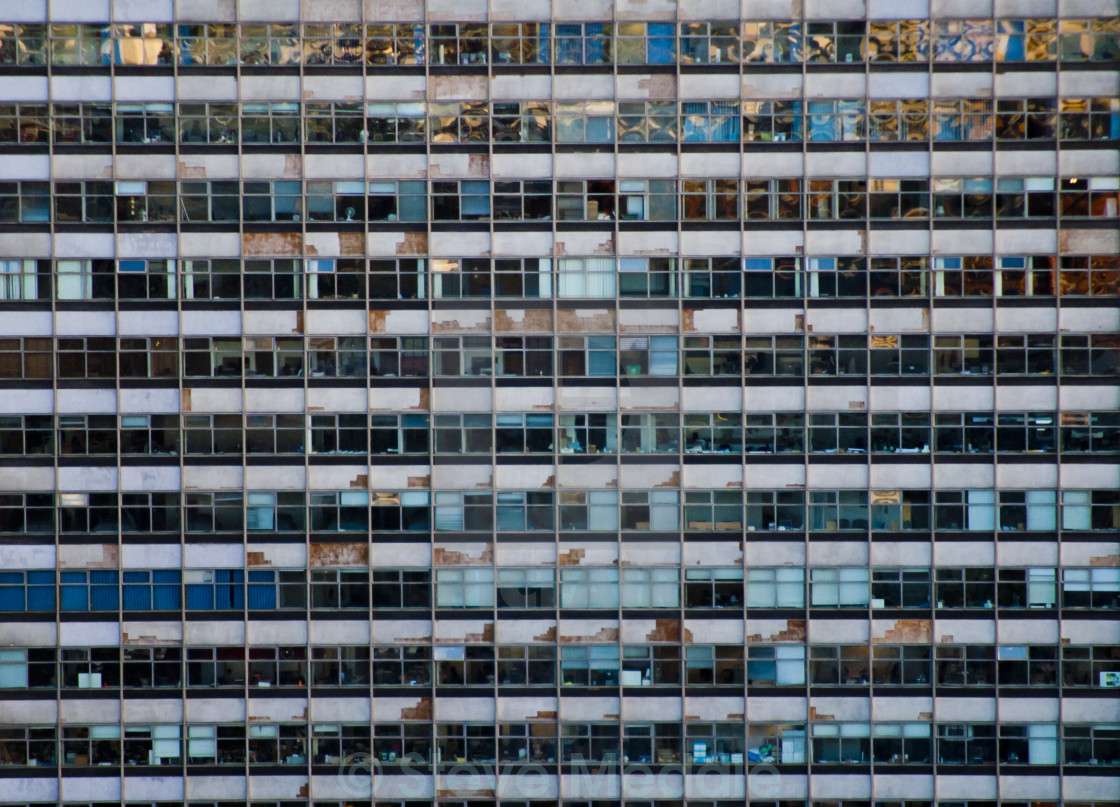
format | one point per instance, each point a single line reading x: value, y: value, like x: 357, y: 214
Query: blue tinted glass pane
x: 11, y: 598
x: 103, y: 598
x: 262, y: 577
x: 200, y: 597
x: 72, y: 577
x: 40, y: 598
x: 229, y: 597
x: 165, y: 576
x: 103, y: 577
x: 41, y: 577
x: 136, y: 577
x: 137, y: 598
x: 165, y: 598
x: 74, y: 598
x: 262, y: 597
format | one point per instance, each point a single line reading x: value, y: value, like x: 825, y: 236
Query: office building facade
x: 505, y: 402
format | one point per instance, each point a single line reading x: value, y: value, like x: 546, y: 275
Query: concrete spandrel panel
x: 966, y: 787
x: 464, y: 321
x: 1091, y: 320
x: 521, y: 166
x: 27, y: 557
x: 76, y: 88
x: 524, y: 477
x: 338, y: 477
x: 1090, y: 553
x: 715, y: 709
x: 763, y: 710
x: 151, y: 556
x: 583, y: 165
x: 214, y: 710
x: 281, y: 477
x: 902, y: 786
x: 646, y: 320
x: 901, y: 553
x: 203, y: 399
x: 840, y: 786
x: 89, y: 634
x: 964, y: 631
x: 833, y: 399
x: 88, y: 556
x: 715, y: 631
x: 898, y: 85
x: 258, y: 555
x: 523, y: 399
x: 842, y: 708
x: 392, y: 399
x: 893, y: 477
x: 718, y: 242
x: 261, y: 632
x: 211, y: 323
x: 589, y: 708
x: 403, y: 323
x: 213, y: 245
x: 910, y: 708
x: 462, y: 631
x: 85, y: 323
x: 518, y: 709
x: 767, y: 631
x: 648, y: 399
x: 1096, y: 162
x: 200, y: 634
x: 147, y: 323
x: 957, y: 476
x: 639, y: 86
x: 28, y: 402
x: 1084, y: 83
x: 401, y: 631
x: 899, y: 399
x: 28, y: 479
x: 1033, y: 476
x: 524, y: 554
x: 1089, y: 788
x: 1035, y: 788
x: 899, y: 631
x: 1027, y: 631
x: 586, y: 399
x: 525, y: 631
x: 517, y: 244
x: 151, y: 710
x: 713, y: 477
x: 146, y: 166
x: 838, y: 553
x: 88, y: 401
x: 711, y: 85
x: 339, y: 709
x: 213, y: 556
x: 773, y: 477
x: 90, y: 789
x: 757, y: 165
x: 87, y: 478
x: 274, y: 400
x: 1084, y: 476
x: 773, y: 399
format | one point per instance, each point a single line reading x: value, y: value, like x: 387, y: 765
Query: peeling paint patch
x: 274, y: 244
x: 794, y: 632
x: 350, y: 554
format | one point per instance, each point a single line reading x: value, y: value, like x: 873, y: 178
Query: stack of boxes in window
x: 643, y: 402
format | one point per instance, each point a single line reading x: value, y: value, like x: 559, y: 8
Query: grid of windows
x: 648, y: 394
